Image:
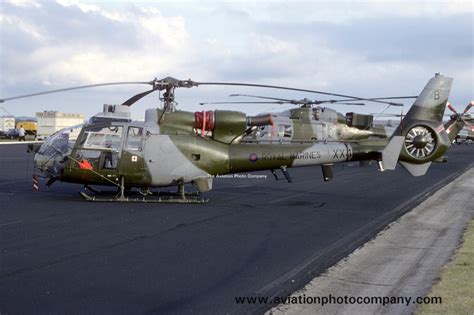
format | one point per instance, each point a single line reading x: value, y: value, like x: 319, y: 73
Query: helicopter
x: 460, y: 127
x: 173, y: 147
x: 325, y: 124
x: 466, y: 135
x: 316, y: 123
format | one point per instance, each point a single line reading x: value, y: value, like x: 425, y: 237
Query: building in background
x: 51, y: 121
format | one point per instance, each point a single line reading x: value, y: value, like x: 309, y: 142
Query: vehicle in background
x: 7, y: 123
x: 10, y: 134
x: 30, y: 126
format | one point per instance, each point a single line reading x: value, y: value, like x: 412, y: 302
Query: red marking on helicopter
x: 204, y: 120
x: 85, y: 165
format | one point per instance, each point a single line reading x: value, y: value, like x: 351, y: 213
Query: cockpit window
x: 61, y: 142
x: 316, y: 113
x: 134, y: 139
x: 100, y: 137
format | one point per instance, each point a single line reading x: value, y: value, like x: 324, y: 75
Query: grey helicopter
x: 173, y: 147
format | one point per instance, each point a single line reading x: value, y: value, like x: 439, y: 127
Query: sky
x: 360, y: 48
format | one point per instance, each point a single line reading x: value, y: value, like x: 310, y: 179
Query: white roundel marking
x: 134, y: 158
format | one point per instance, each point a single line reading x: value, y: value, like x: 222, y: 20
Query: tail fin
x: 431, y: 103
x: 425, y: 137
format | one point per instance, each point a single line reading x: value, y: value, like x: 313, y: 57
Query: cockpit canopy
x: 61, y: 142
x: 51, y: 156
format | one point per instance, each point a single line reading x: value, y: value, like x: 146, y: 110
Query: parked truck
x: 7, y: 123
x: 30, y: 126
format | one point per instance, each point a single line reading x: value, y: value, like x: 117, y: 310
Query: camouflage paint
x: 174, y: 152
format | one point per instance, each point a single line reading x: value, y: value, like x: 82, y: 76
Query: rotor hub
x: 420, y: 141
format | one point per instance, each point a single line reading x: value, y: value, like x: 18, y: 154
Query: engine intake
x: 359, y: 121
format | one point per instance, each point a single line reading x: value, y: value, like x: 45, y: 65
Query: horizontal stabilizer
x: 416, y: 169
x: 391, y: 152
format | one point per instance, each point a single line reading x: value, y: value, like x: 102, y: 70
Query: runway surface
x: 61, y: 254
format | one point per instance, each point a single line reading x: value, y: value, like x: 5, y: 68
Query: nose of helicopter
x: 51, y: 156
x: 40, y: 160
x: 47, y: 161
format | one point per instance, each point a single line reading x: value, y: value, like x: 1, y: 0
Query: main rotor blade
x: 291, y: 89
x: 302, y: 102
x: 274, y: 102
x: 468, y: 107
x: 170, y: 82
x: 386, y: 115
x: 135, y: 98
x: 338, y: 102
x: 392, y: 97
x: 355, y: 104
x: 373, y: 98
x: 452, y: 108
x: 266, y: 98
x: 73, y: 88
x: 242, y: 102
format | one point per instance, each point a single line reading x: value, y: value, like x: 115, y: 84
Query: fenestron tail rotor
x: 420, y: 142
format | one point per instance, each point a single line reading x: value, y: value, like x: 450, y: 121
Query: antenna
x: 3, y: 108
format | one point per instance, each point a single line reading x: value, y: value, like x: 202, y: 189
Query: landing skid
x: 146, y: 196
x: 161, y: 198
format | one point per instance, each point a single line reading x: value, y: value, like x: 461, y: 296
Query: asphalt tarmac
x: 257, y: 236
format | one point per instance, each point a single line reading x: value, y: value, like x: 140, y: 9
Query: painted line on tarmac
x: 289, y: 197
x: 10, y: 223
x: 16, y: 182
x: 21, y: 142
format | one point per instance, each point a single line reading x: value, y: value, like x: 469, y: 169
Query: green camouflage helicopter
x: 173, y: 148
x: 316, y: 123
